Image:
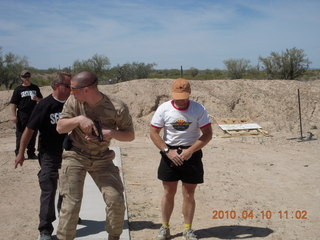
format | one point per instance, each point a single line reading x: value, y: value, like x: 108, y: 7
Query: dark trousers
x: 31, y: 145
x: 48, y: 181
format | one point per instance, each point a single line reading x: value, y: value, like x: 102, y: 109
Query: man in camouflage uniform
x: 89, y: 154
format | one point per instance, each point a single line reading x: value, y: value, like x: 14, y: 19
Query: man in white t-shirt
x: 187, y: 129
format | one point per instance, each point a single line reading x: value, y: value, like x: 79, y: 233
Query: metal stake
x: 301, y: 136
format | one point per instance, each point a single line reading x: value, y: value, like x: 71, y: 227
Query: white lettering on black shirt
x: 54, y: 117
x: 28, y: 93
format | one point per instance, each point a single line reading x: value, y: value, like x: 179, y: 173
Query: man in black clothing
x: 44, y: 118
x: 25, y: 97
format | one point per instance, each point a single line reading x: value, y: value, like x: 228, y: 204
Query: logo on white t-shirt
x: 181, y: 125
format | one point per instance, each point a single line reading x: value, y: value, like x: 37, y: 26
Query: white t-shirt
x: 181, y: 126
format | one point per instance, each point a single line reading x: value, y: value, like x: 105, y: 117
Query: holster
x: 67, y: 143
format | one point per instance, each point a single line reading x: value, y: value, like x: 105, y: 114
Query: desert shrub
x: 193, y: 72
x: 98, y: 64
x: 290, y: 64
x: 310, y: 75
x: 237, y: 68
x: 129, y: 71
x: 218, y: 74
x: 11, y: 66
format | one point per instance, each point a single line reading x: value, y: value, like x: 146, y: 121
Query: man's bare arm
x: 66, y: 125
x: 13, y: 108
x: 156, y: 138
x: 125, y: 135
x: 24, y: 141
x: 203, y: 140
x: 200, y: 143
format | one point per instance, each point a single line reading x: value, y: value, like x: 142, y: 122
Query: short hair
x: 59, y: 77
x: 86, y: 79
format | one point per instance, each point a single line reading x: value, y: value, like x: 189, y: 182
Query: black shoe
x: 79, y: 221
x: 32, y: 157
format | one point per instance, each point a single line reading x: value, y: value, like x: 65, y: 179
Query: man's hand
x: 175, y: 157
x: 107, y: 136
x: 19, y: 160
x: 185, y: 154
x: 86, y: 125
x: 178, y: 156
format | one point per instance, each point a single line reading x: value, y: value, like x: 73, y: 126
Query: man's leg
x: 48, y: 181
x: 167, y: 205
x: 188, y: 208
x: 108, y: 180
x: 167, y: 202
x: 189, y: 204
x: 71, y: 181
x: 48, y: 185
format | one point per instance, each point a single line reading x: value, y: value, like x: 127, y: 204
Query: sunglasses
x: 27, y: 76
x: 76, y: 89
x: 66, y: 85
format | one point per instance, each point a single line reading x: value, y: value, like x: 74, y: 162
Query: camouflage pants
x: 106, y: 176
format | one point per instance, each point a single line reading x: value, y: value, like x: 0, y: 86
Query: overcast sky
x: 170, y: 33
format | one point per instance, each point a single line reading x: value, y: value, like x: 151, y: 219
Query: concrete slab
x: 92, y: 211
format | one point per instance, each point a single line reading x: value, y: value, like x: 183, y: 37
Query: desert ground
x: 257, y: 186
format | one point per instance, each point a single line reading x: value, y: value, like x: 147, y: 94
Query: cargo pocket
x: 63, y: 181
x: 48, y: 180
x: 116, y: 181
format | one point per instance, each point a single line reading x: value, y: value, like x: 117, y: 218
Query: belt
x: 177, y: 147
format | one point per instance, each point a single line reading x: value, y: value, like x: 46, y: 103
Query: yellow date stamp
x: 264, y: 214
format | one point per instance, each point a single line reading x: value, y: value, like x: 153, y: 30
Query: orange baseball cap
x: 181, y: 89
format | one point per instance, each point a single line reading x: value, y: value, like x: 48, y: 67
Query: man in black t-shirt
x: 44, y: 118
x: 25, y: 97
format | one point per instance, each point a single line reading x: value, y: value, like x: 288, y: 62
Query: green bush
x: 290, y: 64
x: 11, y: 66
x: 237, y: 68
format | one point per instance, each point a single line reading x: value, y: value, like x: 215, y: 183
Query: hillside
x: 272, y: 104
x: 242, y: 174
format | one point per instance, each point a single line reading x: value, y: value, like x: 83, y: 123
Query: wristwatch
x: 165, y: 150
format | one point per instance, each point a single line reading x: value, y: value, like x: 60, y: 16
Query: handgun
x: 98, y: 127
x: 67, y: 143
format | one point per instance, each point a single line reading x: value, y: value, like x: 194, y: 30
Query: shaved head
x: 84, y: 79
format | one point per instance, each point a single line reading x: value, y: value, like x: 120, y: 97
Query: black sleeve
x: 39, y: 95
x: 15, y: 99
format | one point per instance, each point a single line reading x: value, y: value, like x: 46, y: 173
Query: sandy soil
x: 255, y: 186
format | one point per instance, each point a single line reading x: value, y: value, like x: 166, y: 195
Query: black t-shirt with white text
x: 25, y: 105
x: 21, y: 97
x: 44, y: 118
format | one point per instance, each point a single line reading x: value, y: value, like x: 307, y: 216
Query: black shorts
x: 190, y: 172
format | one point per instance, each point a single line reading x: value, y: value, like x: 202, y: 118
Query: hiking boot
x: 32, y: 157
x: 113, y: 237
x: 164, y: 233
x: 189, y: 235
x: 44, y: 235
